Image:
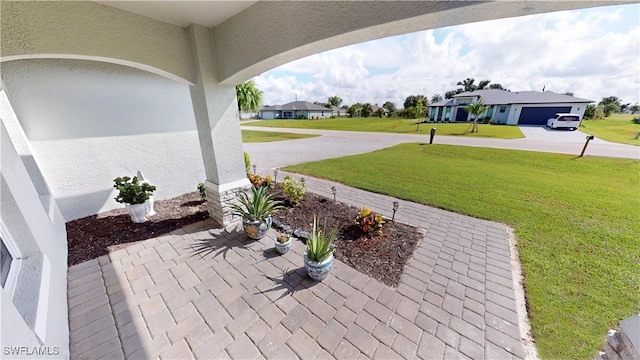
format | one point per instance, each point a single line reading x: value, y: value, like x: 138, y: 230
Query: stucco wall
x: 85, y: 29
x: 36, y: 314
x: 90, y: 122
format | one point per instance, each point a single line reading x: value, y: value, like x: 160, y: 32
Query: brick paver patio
x: 209, y: 293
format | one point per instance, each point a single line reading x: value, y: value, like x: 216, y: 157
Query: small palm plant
x: 258, y: 206
x: 320, y: 244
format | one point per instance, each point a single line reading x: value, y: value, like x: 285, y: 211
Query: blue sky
x: 593, y: 53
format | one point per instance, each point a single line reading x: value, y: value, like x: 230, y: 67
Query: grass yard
x: 250, y: 136
x: 395, y: 125
x: 576, y: 221
x: 616, y: 128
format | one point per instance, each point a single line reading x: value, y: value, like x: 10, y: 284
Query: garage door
x: 539, y: 115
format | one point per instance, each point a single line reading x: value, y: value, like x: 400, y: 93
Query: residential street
x: 333, y: 143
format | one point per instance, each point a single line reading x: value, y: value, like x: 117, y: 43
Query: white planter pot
x: 137, y: 212
x: 283, y: 248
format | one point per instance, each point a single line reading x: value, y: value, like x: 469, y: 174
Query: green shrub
x: 247, y: 162
x: 636, y: 120
x: 132, y: 192
x: 294, y: 190
x: 369, y: 222
x: 203, y: 191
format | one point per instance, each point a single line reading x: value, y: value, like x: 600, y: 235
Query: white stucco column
x: 215, y: 110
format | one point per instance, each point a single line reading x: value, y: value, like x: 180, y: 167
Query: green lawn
x: 250, y: 136
x: 576, y: 221
x: 395, y: 125
x: 616, y: 128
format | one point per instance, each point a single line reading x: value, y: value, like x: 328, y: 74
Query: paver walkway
x: 202, y: 292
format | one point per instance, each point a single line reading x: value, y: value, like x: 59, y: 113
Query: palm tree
x: 249, y: 97
x: 436, y: 98
x: 367, y: 110
x: 476, y: 109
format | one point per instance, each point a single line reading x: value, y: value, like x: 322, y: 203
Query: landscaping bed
x: 382, y: 257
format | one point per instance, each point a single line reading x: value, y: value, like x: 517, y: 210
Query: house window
x: 503, y: 109
x: 9, y: 262
x: 6, y: 260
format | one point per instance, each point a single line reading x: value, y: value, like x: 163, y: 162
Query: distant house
x: 375, y: 109
x: 295, y: 110
x: 505, y: 107
x: 336, y: 111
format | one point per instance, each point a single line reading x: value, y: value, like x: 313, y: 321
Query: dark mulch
x: 97, y: 235
x: 382, y: 257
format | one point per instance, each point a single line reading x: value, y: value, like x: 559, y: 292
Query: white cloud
x: 593, y: 53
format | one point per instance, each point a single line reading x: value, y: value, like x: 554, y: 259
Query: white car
x: 566, y: 121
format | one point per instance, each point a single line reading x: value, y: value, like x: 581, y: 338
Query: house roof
x: 499, y: 97
x: 296, y: 106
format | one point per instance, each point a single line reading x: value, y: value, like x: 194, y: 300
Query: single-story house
x: 506, y: 107
x: 295, y: 110
x: 338, y: 111
x: 375, y: 109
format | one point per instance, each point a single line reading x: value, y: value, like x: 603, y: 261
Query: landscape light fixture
x: 334, y: 190
x: 275, y: 175
x: 303, y: 180
x: 396, y: 205
x: 254, y: 169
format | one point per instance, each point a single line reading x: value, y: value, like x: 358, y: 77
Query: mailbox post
x: 589, y: 138
x: 433, y: 133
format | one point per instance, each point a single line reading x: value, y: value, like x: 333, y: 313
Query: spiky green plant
x: 320, y: 245
x: 257, y: 206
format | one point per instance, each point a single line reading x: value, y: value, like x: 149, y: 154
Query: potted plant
x: 256, y: 210
x: 318, y: 258
x: 134, y: 194
x: 283, y: 243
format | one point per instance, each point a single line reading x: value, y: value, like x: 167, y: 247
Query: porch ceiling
x: 183, y: 13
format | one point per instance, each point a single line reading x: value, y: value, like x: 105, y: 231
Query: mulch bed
x: 97, y: 235
x: 382, y: 257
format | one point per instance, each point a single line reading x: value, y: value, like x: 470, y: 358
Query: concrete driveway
x: 543, y: 133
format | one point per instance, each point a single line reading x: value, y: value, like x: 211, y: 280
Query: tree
x: 483, y: 84
x: 412, y: 100
x: 569, y: 93
x: 476, y: 109
x: 590, y: 111
x: 451, y: 93
x: 366, y: 110
x: 496, y: 86
x: 249, y: 97
x: 391, y: 107
x: 436, y: 98
x: 419, y: 110
x: 468, y: 84
x: 354, y: 110
x: 335, y: 101
x: 634, y: 108
x: 611, y: 104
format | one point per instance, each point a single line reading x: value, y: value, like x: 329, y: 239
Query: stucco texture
x: 90, y: 122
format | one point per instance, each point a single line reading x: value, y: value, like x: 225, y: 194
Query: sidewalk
x: 202, y: 292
